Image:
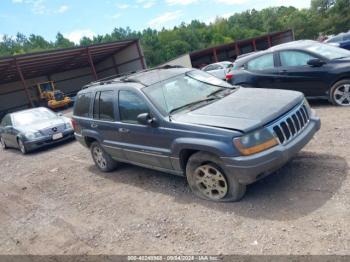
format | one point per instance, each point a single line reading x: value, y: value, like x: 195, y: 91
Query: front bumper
x: 248, y: 169
x: 47, y: 140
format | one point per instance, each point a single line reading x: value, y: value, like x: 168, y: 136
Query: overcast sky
x: 76, y: 18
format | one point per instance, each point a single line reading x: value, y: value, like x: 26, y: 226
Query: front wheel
x: 339, y: 94
x: 101, y: 158
x: 22, y: 146
x: 207, y: 179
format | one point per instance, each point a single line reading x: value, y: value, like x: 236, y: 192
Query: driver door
x: 142, y: 144
x: 296, y: 74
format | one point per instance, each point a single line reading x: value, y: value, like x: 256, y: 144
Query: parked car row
x: 318, y: 70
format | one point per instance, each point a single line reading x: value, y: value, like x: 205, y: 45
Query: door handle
x: 283, y: 71
x: 94, y: 125
x: 123, y: 130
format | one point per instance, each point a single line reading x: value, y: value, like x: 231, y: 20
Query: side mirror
x: 146, y: 119
x: 316, y: 62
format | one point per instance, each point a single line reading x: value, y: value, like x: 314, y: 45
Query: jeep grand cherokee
x: 189, y: 123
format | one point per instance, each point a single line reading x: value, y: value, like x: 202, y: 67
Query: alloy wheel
x: 21, y: 146
x: 99, y: 157
x: 341, y: 95
x: 211, y: 182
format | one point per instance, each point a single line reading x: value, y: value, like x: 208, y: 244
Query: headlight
x: 32, y: 135
x: 68, y: 125
x: 255, y: 142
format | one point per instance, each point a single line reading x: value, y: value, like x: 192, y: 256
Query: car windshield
x: 32, y: 116
x: 328, y: 51
x: 186, y: 89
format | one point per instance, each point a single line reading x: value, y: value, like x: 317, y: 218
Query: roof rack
x: 123, y: 77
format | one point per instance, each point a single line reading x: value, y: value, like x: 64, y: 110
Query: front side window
x: 82, y: 105
x: 184, y: 89
x: 294, y: 58
x: 130, y: 106
x: 104, y: 106
x: 261, y: 63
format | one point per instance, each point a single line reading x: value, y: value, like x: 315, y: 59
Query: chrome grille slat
x: 290, y: 125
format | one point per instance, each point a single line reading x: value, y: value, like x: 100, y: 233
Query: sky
x: 78, y: 18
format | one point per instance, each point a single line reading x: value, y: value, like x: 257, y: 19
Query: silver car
x: 218, y: 69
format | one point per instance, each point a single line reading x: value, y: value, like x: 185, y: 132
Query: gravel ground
x: 56, y: 202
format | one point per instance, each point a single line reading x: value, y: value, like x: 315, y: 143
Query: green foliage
x: 323, y: 16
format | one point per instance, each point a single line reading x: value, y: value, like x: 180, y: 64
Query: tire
x: 207, y: 179
x: 102, y: 159
x: 339, y: 94
x: 22, y: 146
x: 3, y: 144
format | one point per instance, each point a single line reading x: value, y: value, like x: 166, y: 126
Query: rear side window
x: 130, y: 106
x: 294, y: 58
x: 82, y: 105
x: 104, y: 106
x: 261, y: 63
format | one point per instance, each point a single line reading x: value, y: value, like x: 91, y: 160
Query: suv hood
x: 244, y: 110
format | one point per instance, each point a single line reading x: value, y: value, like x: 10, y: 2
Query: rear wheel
x: 207, y: 179
x: 3, y: 144
x: 101, y: 158
x: 339, y: 94
x: 22, y: 146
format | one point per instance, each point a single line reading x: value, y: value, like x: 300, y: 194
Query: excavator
x: 52, y: 97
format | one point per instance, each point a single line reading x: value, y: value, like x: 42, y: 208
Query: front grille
x: 291, y: 124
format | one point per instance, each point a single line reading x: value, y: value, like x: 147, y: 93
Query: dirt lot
x: 56, y: 202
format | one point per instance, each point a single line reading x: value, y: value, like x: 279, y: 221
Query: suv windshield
x: 185, y: 89
x: 33, y: 116
x: 328, y: 51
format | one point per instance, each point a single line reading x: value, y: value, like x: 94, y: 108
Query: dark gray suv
x: 189, y: 123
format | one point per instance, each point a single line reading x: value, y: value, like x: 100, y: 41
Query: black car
x: 30, y: 129
x: 187, y: 122
x: 316, y: 69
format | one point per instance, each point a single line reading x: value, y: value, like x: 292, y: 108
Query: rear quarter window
x: 82, y: 105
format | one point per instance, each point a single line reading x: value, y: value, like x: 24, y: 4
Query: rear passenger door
x: 104, y: 121
x: 262, y: 72
x: 143, y: 144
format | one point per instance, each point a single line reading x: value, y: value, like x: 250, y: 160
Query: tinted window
x: 261, y: 63
x: 130, y: 106
x: 346, y: 37
x: 294, y: 58
x: 104, y: 105
x: 82, y: 105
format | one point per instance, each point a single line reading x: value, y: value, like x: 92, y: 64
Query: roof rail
x: 123, y: 77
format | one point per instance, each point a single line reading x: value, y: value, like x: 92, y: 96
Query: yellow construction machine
x: 53, y: 98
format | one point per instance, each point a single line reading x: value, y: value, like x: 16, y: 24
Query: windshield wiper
x: 219, y: 90
x: 192, y: 104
